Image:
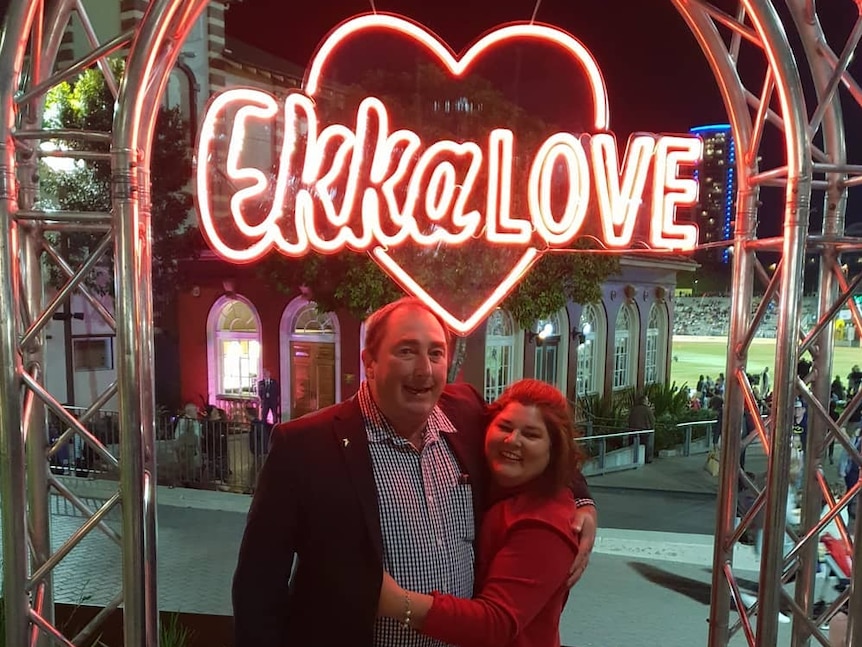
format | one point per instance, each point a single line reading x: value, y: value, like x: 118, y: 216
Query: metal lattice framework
x: 760, y: 79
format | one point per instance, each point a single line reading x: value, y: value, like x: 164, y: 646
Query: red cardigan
x: 525, y: 551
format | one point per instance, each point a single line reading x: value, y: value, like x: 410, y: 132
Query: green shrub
x: 668, y: 400
x: 172, y: 633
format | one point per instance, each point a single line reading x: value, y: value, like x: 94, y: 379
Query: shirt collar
x: 379, y: 429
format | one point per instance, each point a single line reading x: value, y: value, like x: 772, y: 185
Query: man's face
x: 408, y: 372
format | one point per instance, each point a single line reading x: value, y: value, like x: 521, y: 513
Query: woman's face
x: 517, y: 445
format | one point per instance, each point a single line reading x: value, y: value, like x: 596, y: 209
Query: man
x: 854, y: 380
x: 270, y: 398
x: 764, y: 382
x: 641, y: 416
x: 394, y: 478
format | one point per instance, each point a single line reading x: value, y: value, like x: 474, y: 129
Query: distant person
x: 270, y: 398
x: 854, y: 380
x: 799, y: 436
x: 748, y: 427
x: 642, y: 416
x: 716, y: 404
x: 188, y: 421
x: 803, y: 370
x: 837, y: 389
x: 848, y: 469
x: 764, y: 381
x: 833, y: 416
x: 215, y: 435
x: 800, y: 423
x: 187, y: 446
x: 719, y: 385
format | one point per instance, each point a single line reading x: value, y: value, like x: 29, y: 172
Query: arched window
x: 233, y: 339
x: 552, y: 347
x: 310, y: 321
x: 625, y: 347
x: 500, y: 345
x: 590, y: 358
x: 656, y: 344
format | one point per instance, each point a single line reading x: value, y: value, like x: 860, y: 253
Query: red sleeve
x: 523, y: 576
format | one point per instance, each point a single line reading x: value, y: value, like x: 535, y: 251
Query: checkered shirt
x: 426, y: 515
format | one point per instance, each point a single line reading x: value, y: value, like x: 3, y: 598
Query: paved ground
x: 649, y: 578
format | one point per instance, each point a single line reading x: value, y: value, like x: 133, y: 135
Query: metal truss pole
x: 12, y: 455
x: 154, y: 47
x: 821, y: 343
x: 723, y: 65
x: 722, y: 36
x: 154, y: 51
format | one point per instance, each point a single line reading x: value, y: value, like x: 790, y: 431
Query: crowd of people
x: 709, y: 316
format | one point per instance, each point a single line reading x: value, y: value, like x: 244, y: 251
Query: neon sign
x: 367, y: 186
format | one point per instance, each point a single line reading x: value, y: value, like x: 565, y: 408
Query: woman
x: 525, y: 545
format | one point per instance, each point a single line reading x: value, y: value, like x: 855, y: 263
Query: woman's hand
x: 391, y: 603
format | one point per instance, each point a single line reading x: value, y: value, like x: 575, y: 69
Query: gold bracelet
x: 408, y: 611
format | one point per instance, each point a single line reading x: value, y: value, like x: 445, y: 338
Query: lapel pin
x: 345, y: 442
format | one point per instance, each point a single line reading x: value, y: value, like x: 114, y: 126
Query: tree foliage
x: 87, y: 104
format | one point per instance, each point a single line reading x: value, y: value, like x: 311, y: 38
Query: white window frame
x: 560, y: 328
x: 625, y: 348
x: 500, y: 347
x: 215, y: 339
x: 656, y: 342
x: 588, y: 379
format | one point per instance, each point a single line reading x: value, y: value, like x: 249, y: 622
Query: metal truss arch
x: 778, y: 102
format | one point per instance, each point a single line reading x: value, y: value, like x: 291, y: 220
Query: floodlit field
x: 696, y: 356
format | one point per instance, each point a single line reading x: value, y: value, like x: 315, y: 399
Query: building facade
x: 231, y: 328
x: 717, y: 177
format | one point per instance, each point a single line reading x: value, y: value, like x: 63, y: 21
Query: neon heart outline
x: 458, y: 65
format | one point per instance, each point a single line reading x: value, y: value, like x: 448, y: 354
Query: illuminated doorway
x: 311, y: 358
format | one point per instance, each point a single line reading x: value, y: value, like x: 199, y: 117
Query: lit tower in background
x: 717, y: 178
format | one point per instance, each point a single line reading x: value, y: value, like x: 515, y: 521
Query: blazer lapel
x: 352, y: 439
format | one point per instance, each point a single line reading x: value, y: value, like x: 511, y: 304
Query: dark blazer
x: 271, y: 394
x: 316, y: 501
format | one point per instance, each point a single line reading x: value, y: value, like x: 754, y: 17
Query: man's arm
x: 585, y: 523
x: 260, y: 583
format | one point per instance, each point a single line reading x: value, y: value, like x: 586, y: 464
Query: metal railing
x: 209, y: 454
x: 596, y: 447
x: 694, y: 431
x: 696, y: 439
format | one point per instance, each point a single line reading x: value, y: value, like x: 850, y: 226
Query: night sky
x: 657, y: 78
